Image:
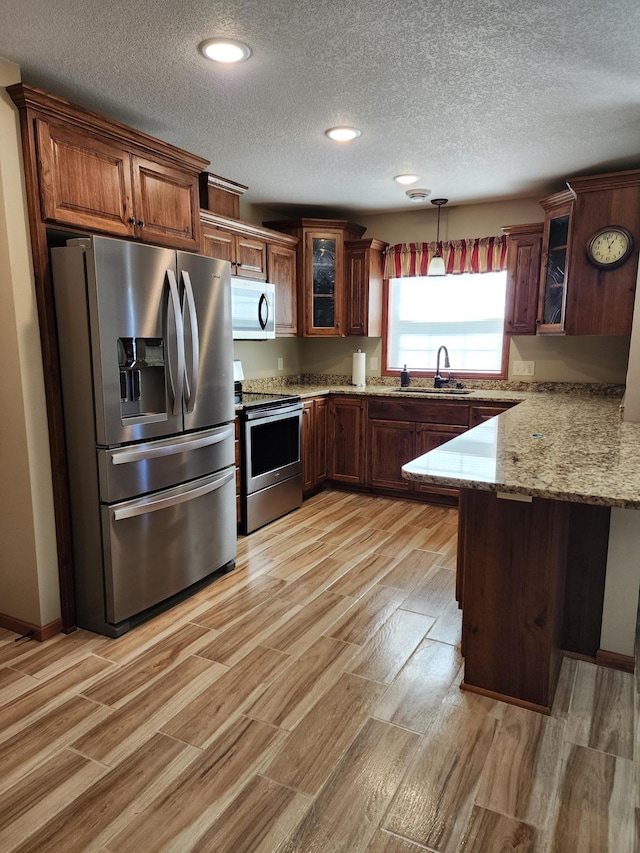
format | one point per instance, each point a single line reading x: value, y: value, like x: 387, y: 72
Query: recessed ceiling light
x: 225, y: 50
x: 407, y: 179
x: 343, y: 134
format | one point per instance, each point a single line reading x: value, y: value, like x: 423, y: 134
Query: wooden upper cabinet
x: 600, y: 302
x: 363, y: 289
x: 94, y: 174
x: 281, y: 265
x: 166, y: 204
x: 257, y: 253
x: 320, y: 272
x: 555, y: 266
x: 84, y: 182
x: 247, y: 254
x: 524, y: 246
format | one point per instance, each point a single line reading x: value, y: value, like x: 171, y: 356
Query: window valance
x: 482, y: 254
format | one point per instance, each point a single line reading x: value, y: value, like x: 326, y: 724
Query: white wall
x: 29, y: 589
x: 622, y: 583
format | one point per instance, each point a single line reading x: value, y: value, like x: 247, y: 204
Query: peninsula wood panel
x: 514, y: 576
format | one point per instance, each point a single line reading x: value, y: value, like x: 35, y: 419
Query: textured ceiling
x: 485, y: 100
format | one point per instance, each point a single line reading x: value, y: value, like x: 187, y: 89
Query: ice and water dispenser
x: 142, y: 376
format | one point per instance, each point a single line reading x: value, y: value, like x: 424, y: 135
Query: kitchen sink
x: 435, y: 390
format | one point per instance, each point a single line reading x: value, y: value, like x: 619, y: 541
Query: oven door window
x: 274, y: 444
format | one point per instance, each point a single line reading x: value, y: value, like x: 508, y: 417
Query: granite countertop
x: 563, y: 441
x: 564, y: 447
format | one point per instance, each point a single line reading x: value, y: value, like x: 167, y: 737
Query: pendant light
x: 436, y: 264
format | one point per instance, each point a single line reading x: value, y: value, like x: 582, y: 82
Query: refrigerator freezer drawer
x: 138, y: 469
x: 157, y: 546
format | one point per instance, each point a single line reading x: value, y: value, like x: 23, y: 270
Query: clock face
x: 610, y: 247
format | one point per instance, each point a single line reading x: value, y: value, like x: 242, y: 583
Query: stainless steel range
x: 271, y: 456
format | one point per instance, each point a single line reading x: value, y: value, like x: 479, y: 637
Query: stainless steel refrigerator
x: 146, y: 358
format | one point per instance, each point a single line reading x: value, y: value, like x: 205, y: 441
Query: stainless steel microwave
x: 252, y: 310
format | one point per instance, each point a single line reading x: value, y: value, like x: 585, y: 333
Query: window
x: 463, y: 312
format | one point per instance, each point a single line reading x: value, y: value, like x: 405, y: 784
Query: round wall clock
x: 610, y: 247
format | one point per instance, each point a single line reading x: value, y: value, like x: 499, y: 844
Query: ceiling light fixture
x: 343, y: 134
x: 225, y: 50
x: 436, y: 264
x: 418, y: 194
x: 406, y: 179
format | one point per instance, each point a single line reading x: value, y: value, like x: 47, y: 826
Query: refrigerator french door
x: 146, y: 360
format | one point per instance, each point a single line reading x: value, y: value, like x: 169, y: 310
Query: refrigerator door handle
x: 122, y: 457
x: 191, y: 384
x: 151, y: 504
x: 177, y: 383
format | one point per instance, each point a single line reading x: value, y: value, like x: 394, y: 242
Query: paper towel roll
x: 359, y: 369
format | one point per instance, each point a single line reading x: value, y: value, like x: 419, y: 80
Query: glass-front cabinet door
x: 325, y: 283
x: 554, y: 271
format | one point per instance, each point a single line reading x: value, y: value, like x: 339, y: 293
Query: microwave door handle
x: 263, y: 302
x: 177, y: 382
x: 191, y: 384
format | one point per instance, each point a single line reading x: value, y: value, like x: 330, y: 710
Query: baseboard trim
x: 614, y: 660
x: 26, y: 629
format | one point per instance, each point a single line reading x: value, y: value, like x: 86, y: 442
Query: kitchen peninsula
x: 537, y: 482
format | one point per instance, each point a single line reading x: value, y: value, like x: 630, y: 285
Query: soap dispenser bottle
x: 404, y: 377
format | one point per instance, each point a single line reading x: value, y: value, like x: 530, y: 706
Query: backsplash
x: 326, y: 380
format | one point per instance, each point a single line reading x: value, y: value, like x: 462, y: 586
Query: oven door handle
x: 146, y: 505
x: 272, y: 414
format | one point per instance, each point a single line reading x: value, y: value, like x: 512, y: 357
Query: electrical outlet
x: 280, y: 363
x: 373, y: 362
x: 524, y: 368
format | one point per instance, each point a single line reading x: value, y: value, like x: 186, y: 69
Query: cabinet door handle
x: 141, y: 223
x: 132, y: 220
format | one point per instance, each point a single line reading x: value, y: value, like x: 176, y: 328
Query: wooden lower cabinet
x: 347, y: 440
x: 486, y: 411
x: 401, y: 430
x: 314, y: 444
x: 391, y: 445
x: 428, y: 437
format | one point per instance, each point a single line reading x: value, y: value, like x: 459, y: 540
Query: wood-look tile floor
x: 308, y: 701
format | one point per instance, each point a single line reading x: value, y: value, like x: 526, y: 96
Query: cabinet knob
x: 141, y: 223
x: 538, y: 322
x: 132, y: 220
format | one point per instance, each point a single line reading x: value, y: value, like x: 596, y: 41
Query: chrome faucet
x: 438, y: 381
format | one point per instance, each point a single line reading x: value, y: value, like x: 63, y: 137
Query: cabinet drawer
x: 421, y: 411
